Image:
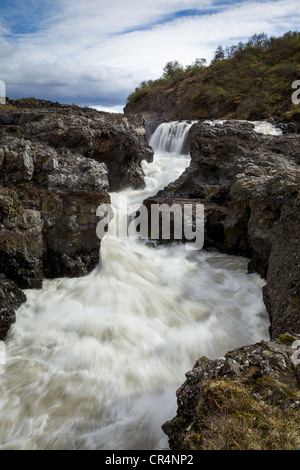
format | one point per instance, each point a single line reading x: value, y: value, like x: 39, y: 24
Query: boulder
x: 247, y: 400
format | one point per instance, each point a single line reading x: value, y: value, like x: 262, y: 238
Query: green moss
x: 179, y: 422
x: 287, y: 339
x: 267, y: 387
x: 31, y: 99
x: 262, y: 383
x: 7, y: 107
x: 196, y: 440
x: 261, y: 343
x: 292, y: 115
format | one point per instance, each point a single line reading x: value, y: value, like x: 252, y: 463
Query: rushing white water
x: 261, y: 127
x: 266, y: 128
x: 94, y: 363
x: 171, y: 137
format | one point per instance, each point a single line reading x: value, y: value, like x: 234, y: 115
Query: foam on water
x: 261, y: 127
x: 94, y: 362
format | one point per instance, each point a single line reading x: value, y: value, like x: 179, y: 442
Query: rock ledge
x: 247, y: 400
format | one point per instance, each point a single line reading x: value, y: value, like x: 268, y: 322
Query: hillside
x: 248, y: 81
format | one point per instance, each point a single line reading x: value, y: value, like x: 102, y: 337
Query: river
x: 94, y: 362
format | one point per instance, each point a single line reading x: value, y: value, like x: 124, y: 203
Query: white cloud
x: 97, y: 52
x: 112, y: 109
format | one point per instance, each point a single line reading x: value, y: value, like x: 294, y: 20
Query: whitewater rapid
x: 94, y: 362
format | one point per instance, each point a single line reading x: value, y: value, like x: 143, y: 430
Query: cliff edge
x: 58, y: 163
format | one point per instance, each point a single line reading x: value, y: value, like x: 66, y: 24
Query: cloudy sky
x: 96, y: 52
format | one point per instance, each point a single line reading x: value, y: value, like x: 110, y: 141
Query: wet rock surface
x: 11, y: 297
x: 247, y: 400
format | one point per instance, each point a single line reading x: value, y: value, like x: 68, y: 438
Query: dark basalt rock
x: 48, y: 206
x: 11, y: 297
x: 57, y: 164
x: 289, y: 128
x: 115, y: 140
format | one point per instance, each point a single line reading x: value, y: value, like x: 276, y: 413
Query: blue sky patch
x: 24, y: 17
x: 51, y: 43
x: 168, y: 19
x: 218, y: 7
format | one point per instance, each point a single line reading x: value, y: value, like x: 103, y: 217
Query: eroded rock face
x: 48, y: 208
x: 247, y: 400
x: 250, y: 187
x: 115, y: 140
x: 57, y: 165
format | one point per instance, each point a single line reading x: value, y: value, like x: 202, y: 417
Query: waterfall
x: 94, y: 362
x: 171, y: 137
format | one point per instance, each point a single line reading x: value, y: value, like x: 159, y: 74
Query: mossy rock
x: 287, y: 339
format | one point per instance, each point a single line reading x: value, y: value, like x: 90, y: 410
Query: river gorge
x: 94, y: 362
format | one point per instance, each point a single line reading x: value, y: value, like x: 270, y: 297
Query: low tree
x: 219, y: 54
x: 199, y: 63
x: 196, y: 66
x: 172, y: 68
x: 260, y: 40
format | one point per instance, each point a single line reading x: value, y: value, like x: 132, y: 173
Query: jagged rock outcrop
x: 57, y: 164
x: 247, y: 400
x: 115, y: 140
x: 250, y: 187
x: 48, y: 208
